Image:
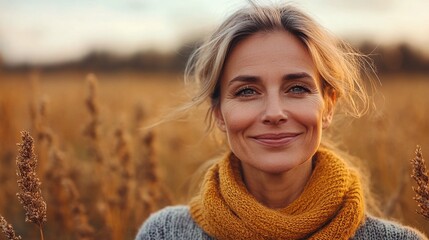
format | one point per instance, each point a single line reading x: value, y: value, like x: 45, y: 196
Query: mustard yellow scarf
x: 330, y: 207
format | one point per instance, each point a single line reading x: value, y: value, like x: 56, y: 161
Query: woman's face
x: 271, y: 104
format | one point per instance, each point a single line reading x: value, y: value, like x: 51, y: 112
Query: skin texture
x: 273, y: 112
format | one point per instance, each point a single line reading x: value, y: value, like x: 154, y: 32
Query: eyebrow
x: 252, y: 79
x: 293, y: 76
x: 244, y: 78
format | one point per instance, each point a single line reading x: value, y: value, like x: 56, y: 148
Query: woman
x: 274, y: 78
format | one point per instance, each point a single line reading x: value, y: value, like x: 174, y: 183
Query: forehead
x: 269, y: 52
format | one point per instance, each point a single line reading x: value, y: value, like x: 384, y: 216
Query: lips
x: 275, y: 139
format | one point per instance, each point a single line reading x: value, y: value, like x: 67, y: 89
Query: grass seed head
x: 30, y: 194
x: 420, y: 175
x: 8, y: 230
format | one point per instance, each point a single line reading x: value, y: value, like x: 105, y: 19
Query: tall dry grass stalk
x: 139, y: 115
x: 151, y: 193
x: 30, y: 194
x: 69, y: 212
x: 126, y: 174
x: 8, y: 230
x: 145, y: 174
x: 40, y: 129
x: 82, y: 228
x: 58, y: 197
x: 38, y: 116
x: 420, y: 175
x: 38, y: 113
x: 34, y: 113
x: 93, y: 133
x: 120, y: 204
x: 92, y: 129
x: 84, y: 231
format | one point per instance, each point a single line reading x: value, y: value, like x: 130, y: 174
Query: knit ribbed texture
x: 175, y: 223
x: 330, y: 207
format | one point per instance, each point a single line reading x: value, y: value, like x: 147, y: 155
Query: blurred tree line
x: 387, y: 59
x: 399, y: 58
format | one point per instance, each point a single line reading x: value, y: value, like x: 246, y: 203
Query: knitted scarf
x: 330, y: 207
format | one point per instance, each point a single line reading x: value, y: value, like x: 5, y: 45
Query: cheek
x: 238, y: 117
x: 309, y: 113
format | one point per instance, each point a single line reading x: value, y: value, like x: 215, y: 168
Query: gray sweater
x: 176, y: 223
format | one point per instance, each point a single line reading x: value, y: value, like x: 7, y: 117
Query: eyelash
x: 302, y: 90
x: 240, y: 92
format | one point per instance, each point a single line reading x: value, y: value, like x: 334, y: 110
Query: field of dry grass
x: 102, y: 175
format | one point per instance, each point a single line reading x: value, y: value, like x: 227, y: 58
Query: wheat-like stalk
x: 92, y: 105
x: 123, y: 153
x: 92, y: 129
x: 145, y: 175
x: 58, y: 197
x: 30, y: 194
x: 148, y: 169
x: 119, y: 191
x: 69, y: 212
x: 151, y: 190
x: 43, y: 134
x: 420, y: 175
x: 139, y: 115
x: 8, y: 230
x: 83, y: 229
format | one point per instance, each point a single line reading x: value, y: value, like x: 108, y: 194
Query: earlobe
x: 326, y: 120
x: 329, y: 112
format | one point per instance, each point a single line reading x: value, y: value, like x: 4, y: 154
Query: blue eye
x: 245, y: 92
x: 298, y: 89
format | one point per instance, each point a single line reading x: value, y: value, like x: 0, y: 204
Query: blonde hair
x: 339, y: 66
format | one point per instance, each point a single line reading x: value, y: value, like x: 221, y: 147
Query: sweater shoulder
x: 376, y: 228
x: 171, y: 223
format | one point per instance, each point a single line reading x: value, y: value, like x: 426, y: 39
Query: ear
x: 328, y: 113
x: 326, y: 120
x: 220, y: 122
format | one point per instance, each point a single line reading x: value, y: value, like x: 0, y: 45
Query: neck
x: 277, y: 190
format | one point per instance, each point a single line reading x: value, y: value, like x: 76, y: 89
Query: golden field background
x: 139, y: 174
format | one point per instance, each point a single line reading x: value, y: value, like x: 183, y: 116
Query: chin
x: 276, y: 163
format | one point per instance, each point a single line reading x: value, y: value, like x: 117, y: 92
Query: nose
x: 274, y: 112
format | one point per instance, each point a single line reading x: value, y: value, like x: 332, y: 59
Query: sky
x: 49, y: 31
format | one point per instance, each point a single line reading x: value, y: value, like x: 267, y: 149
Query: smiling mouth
x: 275, y: 140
